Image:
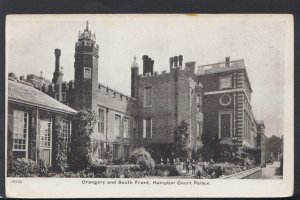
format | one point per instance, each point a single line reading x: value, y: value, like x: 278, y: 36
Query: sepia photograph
x: 152, y: 100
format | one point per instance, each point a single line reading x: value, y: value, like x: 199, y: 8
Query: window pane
x: 148, y: 128
x: 20, y: 130
x: 117, y: 125
x: 125, y: 128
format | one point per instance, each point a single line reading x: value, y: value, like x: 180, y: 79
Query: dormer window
x: 87, y: 73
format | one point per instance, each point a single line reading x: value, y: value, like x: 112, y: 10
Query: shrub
x: 141, y: 157
x: 28, y: 168
x: 167, y: 170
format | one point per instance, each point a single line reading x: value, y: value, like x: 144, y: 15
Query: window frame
x: 99, y: 122
x: 85, y: 74
x: 27, y: 132
x: 145, y: 128
x: 66, y: 136
x: 119, y: 131
x: 223, y: 77
x: 219, y: 123
x: 126, y: 135
x: 145, y: 96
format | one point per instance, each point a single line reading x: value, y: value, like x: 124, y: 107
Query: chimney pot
x: 227, y: 60
x: 175, y: 61
x: 171, y: 62
x: 180, y: 60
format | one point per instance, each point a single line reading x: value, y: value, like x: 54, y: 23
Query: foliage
x: 141, y: 157
x: 61, y: 156
x: 211, y: 149
x: 168, y: 170
x: 28, y: 168
x: 161, y: 151
x: 274, y: 145
x: 81, y: 150
x: 183, y: 141
x: 117, y: 171
x: 210, y: 171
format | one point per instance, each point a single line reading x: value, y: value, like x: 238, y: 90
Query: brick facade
x: 184, y: 93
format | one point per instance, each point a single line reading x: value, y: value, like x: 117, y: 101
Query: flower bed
x: 210, y: 171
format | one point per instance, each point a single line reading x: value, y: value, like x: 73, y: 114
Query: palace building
x: 214, y: 99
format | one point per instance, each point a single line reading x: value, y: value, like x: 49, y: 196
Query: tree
x: 274, y: 145
x: 81, y: 146
x: 183, y: 141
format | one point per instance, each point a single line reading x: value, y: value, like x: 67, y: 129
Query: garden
x: 213, y: 160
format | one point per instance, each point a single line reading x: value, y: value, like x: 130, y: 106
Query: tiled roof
x: 27, y: 94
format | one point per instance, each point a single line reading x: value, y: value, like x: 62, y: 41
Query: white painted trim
x: 221, y: 113
x: 223, y: 91
x: 27, y: 132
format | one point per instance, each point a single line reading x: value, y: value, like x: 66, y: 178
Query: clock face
x: 225, y: 100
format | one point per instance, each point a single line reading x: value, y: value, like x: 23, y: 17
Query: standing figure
x: 193, y: 167
x: 188, y: 166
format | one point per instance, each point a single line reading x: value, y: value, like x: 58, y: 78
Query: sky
x: 205, y: 39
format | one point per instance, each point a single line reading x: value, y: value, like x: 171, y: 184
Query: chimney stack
x: 145, y: 64
x: 151, y: 66
x: 57, y: 53
x: 171, y: 62
x: 175, y: 61
x: 180, y: 60
x: 227, y: 60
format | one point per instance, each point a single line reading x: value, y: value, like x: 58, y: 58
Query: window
x: 147, y: 128
x: 125, y: 127
x: 199, y: 99
x: 115, y: 151
x: 66, y: 134
x: 45, y: 129
x: 64, y: 96
x: 148, y: 96
x: 126, y: 152
x: 57, y: 96
x: 20, y: 133
x: 225, y: 81
x: 100, y: 151
x: 117, y: 125
x: 199, y: 130
x: 101, y: 120
x: 87, y: 72
x: 225, y: 124
x: 135, y: 126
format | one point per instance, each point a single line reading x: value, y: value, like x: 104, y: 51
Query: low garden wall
x: 254, y: 173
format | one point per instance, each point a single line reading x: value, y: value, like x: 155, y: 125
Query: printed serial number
x: 16, y: 181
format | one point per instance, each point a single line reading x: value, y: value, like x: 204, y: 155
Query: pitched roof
x: 27, y: 94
